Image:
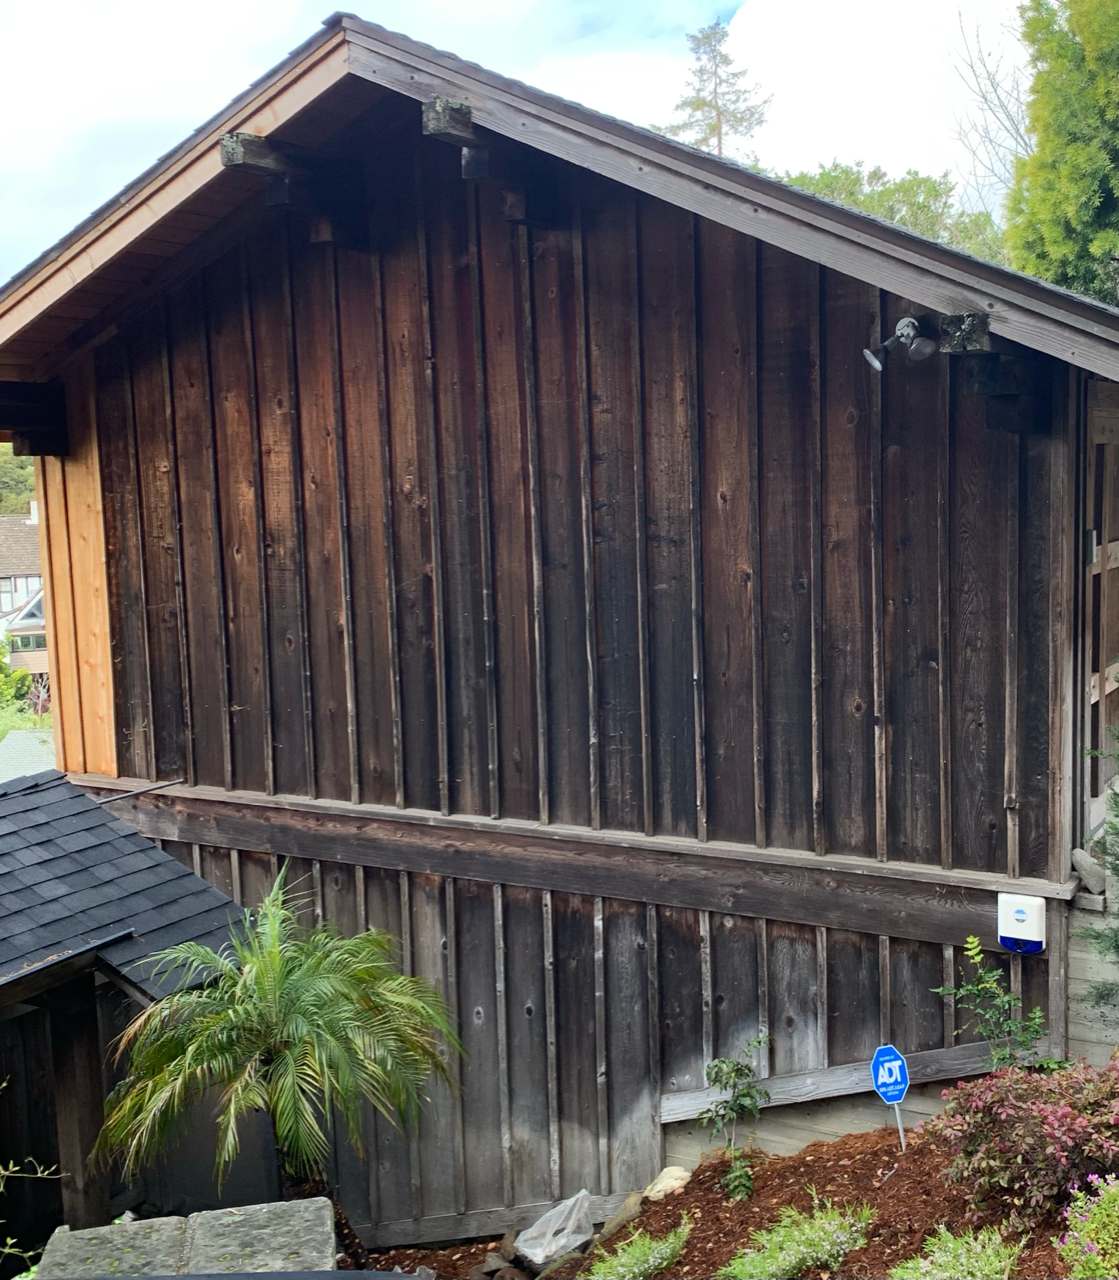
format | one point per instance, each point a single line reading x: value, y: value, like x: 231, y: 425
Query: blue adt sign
x: 889, y: 1074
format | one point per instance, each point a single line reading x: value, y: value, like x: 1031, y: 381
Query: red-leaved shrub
x: 1024, y: 1139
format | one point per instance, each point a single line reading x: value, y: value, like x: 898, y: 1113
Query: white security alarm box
x: 1022, y: 923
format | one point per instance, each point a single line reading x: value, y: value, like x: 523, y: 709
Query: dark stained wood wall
x: 601, y: 521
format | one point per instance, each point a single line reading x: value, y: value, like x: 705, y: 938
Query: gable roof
x: 351, y: 62
x: 79, y: 887
x: 19, y: 546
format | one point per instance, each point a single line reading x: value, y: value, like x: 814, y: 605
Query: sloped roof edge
x: 1029, y: 311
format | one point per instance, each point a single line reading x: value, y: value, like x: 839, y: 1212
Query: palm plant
x: 300, y: 1024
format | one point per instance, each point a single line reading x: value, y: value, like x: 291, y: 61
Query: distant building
x: 20, y: 577
x: 25, y: 630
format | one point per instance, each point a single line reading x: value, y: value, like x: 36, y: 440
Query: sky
x: 90, y: 97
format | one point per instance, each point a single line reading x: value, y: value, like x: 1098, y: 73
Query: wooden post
x: 79, y: 1100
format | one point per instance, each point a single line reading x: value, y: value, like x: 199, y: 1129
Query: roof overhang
x: 1025, y: 310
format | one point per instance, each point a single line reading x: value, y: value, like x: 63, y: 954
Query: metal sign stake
x: 901, y: 1127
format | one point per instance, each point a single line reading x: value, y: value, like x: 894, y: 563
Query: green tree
x: 917, y: 201
x: 296, y: 1023
x: 719, y: 106
x: 1063, y: 210
x: 17, y: 483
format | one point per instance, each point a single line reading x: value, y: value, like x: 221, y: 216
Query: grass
x: 14, y: 715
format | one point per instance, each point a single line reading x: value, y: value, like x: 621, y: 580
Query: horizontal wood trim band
x: 835, y: 1082
x: 924, y: 903
x: 480, y: 1222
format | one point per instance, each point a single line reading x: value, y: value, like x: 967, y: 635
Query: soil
x: 910, y: 1194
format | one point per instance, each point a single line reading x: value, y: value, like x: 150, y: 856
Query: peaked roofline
x: 1029, y: 311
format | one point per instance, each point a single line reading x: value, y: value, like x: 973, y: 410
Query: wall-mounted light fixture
x: 907, y: 335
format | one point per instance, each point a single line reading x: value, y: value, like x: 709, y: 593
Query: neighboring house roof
x: 19, y: 546
x: 25, y: 618
x: 24, y: 751
x: 79, y: 885
x: 343, y: 69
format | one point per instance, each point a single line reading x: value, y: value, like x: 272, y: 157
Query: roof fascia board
x: 293, y: 87
x: 726, y: 196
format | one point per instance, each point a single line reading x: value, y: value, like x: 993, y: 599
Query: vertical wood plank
x: 69, y: 747
x: 525, y: 289
x: 667, y: 291
x: 316, y: 338
x: 853, y: 996
x: 609, y: 246
x: 734, y: 983
x: 727, y: 317
x: 847, y: 711
x: 411, y: 474
x: 565, y: 537
x: 982, y: 600
x: 788, y: 376
x: 681, y: 1014
x: 632, y: 1096
x: 438, y: 602
x: 123, y: 543
x: 586, y: 517
x: 482, y: 1087
x: 459, y: 419
x: 280, y: 509
x: 518, y: 762
x: 913, y: 428
x: 792, y: 977
x: 531, y: 1047
x: 236, y: 460
x: 502, y: 1012
x: 577, y: 1084
x: 155, y: 467
x: 916, y: 1015
x: 551, y: 1037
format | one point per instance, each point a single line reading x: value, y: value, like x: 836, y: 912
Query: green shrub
x: 997, y: 1011
x: 1090, y: 1244
x: 977, y: 1256
x: 643, y: 1255
x: 738, y: 1181
x: 1023, y: 1140
x: 798, y: 1241
x: 743, y: 1098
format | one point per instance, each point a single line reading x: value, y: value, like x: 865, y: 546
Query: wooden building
x: 486, y: 506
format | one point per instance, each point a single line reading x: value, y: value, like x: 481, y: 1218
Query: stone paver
x: 288, y: 1236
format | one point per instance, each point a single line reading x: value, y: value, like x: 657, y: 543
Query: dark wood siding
x: 601, y: 521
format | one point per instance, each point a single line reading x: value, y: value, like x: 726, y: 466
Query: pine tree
x: 719, y: 106
x: 1063, y: 210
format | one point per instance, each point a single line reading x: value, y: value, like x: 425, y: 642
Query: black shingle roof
x: 75, y: 879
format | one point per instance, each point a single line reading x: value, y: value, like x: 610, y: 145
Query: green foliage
x: 920, y: 202
x: 1063, y: 210
x: 798, y: 1241
x: 743, y: 1097
x: 17, y: 482
x: 643, y: 1255
x: 982, y: 1255
x: 997, y: 1012
x: 1022, y: 1141
x: 296, y: 1023
x: 718, y: 106
x: 1090, y: 1244
x: 738, y: 1181
x: 15, y: 682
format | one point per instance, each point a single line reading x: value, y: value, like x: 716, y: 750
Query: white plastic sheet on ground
x: 563, y: 1228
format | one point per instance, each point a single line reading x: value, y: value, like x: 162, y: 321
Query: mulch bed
x: 910, y: 1194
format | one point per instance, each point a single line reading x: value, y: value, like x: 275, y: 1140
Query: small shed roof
x: 19, y: 546
x: 80, y: 887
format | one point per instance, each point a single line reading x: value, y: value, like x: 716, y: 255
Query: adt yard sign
x: 889, y: 1074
